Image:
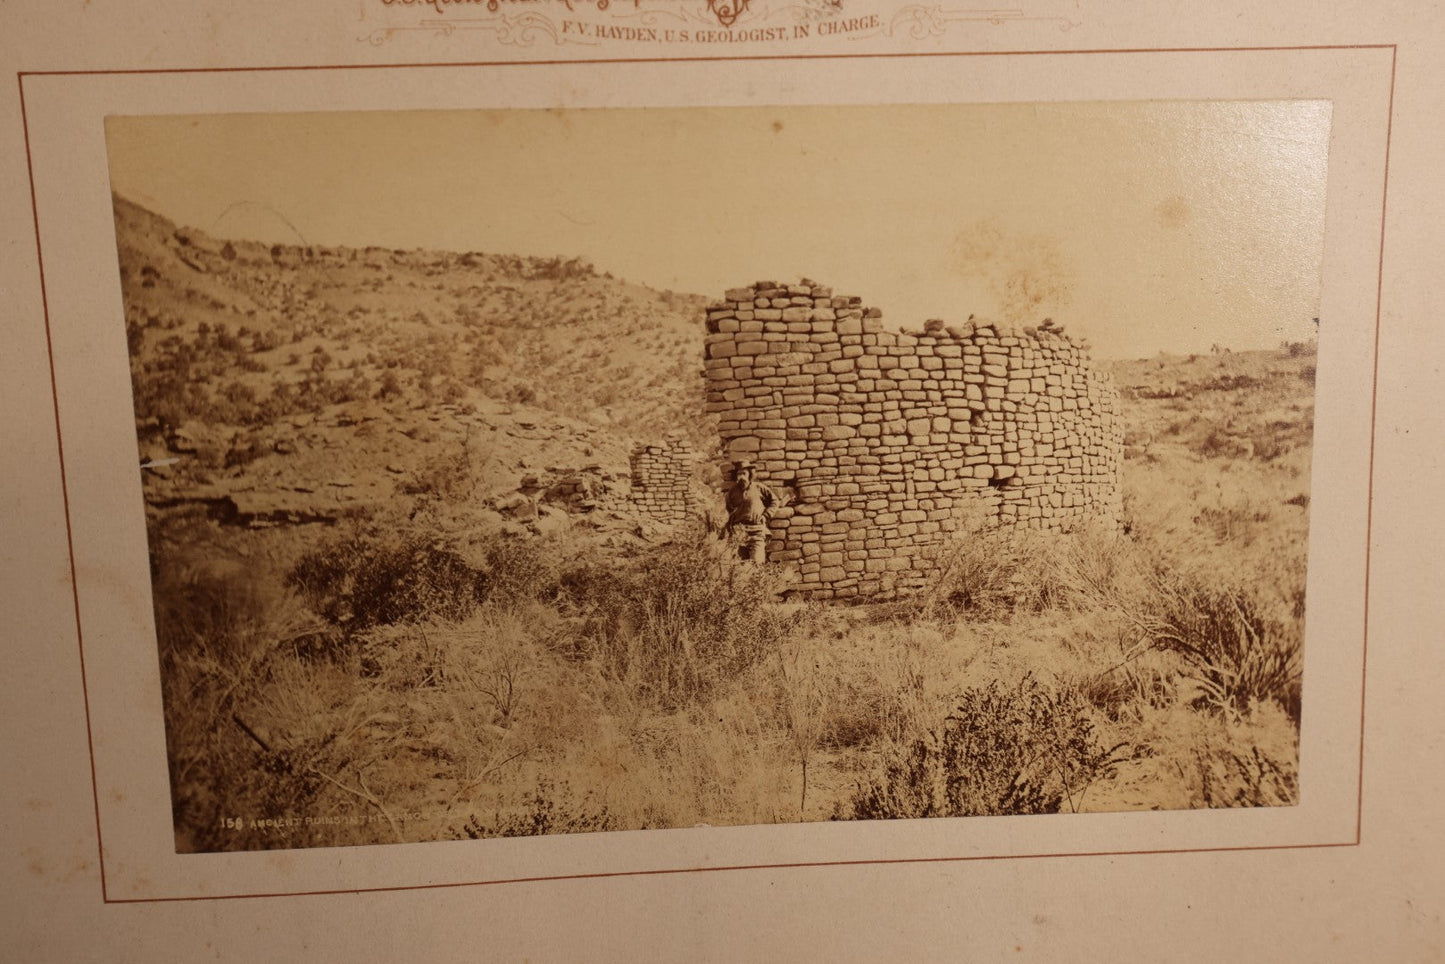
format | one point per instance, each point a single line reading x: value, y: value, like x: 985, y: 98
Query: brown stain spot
x: 121, y: 589
x: 282, y: 863
x: 79, y: 869
x: 36, y: 803
x: 1174, y: 212
x: 116, y: 796
x: 36, y: 867
x: 777, y: 127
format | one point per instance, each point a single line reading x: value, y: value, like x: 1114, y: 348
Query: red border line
x: 602, y: 875
x: 1370, y: 475
x: 69, y: 532
x: 64, y: 486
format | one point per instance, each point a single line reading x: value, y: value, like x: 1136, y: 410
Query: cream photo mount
x: 64, y: 115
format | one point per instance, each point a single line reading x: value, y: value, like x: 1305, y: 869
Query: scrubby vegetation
x: 431, y: 689
x: 373, y: 627
x: 244, y: 339
x: 1019, y: 749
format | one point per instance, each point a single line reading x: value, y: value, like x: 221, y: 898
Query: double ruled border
x: 22, y: 77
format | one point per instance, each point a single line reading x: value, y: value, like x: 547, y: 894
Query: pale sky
x: 1141, y: 226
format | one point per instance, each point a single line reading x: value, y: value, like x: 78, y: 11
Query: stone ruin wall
x: 886, y: 442
x: 661, y: 478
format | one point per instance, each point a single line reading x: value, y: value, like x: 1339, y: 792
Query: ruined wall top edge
x: 823, y: 305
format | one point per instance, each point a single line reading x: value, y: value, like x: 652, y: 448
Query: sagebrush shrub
x: 549, y: 809
x: 1004, y: 750
x: 1250, y: 779
x: 987, y: 570
x: 221, y: 633
x: 518, y: 569
x: 677, y: 621
x: 995, y: 571
x: 229, y: 618
x: 1236, y: 653
x: 367, y: 580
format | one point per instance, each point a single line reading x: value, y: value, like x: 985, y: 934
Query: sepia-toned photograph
x: 525, y: 472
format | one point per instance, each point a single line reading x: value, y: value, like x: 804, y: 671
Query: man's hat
x: 741, y: 464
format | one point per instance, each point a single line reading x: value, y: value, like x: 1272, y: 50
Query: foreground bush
x: 546, y: 810
x: 368, y: 579
x: 226, y: 637
x: 1018, y: 750
x: 1249, y: 779
x: 1236, y: 654
x: 987, y: 571
x: 674, y: 623
x: 984, y: 570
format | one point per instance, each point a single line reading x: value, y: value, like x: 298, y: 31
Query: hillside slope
x: 288, y: 383
x: 427, y: 406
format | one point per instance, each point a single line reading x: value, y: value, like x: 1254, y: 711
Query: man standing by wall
x: 749, y: 504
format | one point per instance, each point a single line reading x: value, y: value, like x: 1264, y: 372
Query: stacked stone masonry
x: 887, y: 442
x: 661, y: 477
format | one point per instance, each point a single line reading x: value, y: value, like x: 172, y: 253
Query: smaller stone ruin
x: 661, y: 478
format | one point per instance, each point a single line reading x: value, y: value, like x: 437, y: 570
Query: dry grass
x: 413, y: 682
x: 586, y: 692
